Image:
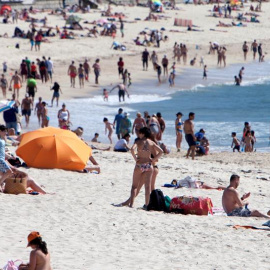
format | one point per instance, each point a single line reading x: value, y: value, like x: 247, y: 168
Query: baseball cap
x: 32, y: 236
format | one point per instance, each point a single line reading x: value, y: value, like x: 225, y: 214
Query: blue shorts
x: 190, y: 140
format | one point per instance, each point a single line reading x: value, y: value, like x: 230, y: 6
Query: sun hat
x: 32, y: 236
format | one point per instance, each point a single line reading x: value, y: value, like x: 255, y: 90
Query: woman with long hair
x: 39, y: 256
x: 145, y: 153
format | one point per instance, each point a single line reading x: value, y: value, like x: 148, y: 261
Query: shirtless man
x: 72, y: 72
x: 254, y: 47
x: 38, y: 109
x: 189, y: 134
x: 234, y: 205
x: 245, y: 50
x: 121, y: 91
x: 17, y: 83
x: 81, y: 75
x: 27, y: 106
x: 86, y: 69
x: 241, y: 72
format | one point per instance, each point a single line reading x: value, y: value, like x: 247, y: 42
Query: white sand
x: 82, y: 229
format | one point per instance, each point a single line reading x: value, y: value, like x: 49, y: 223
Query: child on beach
x: 95, y: 139
x: 108, y: 126
x: 5, y: 67
x: 105, y: 94
x: 235, y: 142
x: 129, y: 80
x: 39, y: 257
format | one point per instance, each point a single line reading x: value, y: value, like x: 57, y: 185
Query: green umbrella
x: 73, y: 19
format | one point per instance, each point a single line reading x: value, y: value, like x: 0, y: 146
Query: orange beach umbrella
x: 53, y: 148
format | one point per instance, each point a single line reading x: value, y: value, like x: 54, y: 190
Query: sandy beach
x: 82, y: 228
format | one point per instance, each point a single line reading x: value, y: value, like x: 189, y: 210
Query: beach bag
x: 17, y: 184
x: 157, y: 201
x: 11, y: 265
x: 192, y: 205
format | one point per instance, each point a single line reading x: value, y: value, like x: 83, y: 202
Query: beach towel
x: 249, y: 227
x: 182, y: 22
x: 192, y: 205
x: 11, y: 265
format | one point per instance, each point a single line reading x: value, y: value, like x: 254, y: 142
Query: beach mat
x: 182, y: 22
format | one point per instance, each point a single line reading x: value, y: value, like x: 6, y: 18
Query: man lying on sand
x: 234, y: 205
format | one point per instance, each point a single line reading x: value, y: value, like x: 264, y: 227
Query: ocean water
x: 219, y: 105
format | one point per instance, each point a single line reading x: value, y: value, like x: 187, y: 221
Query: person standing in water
x: 81, y: 74
x: 38, y: 110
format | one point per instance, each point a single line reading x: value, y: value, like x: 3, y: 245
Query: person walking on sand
x: 245, y: 49
x: 17, y: 83
x: 154, y: 59
x: 108, y: 127
x: 4, y: 85
x: 254, y: 47
x: 125, y: 125
x: 44, y: 115
x: 87, y: 69
x: 56, y: 88
x: 179, y: 130
x: 38, y: 110
x: 165, y: 63
x: 120, y: 65
x: 189, y: 135
x: 205, y: 72
x: 145, y: 58
x: 72, y: 72
x: 27, y: 107
x: 40, y: 258
x: 96, y: 68
x: 81, y: 74
x: 234, y: 205
x: 49, y: 65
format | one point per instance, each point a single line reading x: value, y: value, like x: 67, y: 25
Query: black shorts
x: 254, y: 50
x: 237, y: 147
x: 190, y: 140
x: 26, y: 112
x: 120, y: 70
x: 31, y: 91
x: 121, y: 93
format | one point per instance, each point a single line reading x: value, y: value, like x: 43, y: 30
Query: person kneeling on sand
x: 122, y: 144
x: 234, y: 205
x: 39, y: 257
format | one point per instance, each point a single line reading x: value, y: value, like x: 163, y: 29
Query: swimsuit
x: 179, y: 127
x: 154, y: 128
x: 190, y: 140
x: 240, y: 212
x: 144, y: 167
x: 73, y: 74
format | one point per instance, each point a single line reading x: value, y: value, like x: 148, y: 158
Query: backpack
x: 157, y: 201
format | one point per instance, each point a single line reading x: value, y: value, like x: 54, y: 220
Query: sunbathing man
x: 234, y: 205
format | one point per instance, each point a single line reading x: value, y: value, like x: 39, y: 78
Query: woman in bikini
x: 179, y: 130
x: 143, y: 170
x: 45, y: 118
x: 4, y: 85
x: 138, y: 123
